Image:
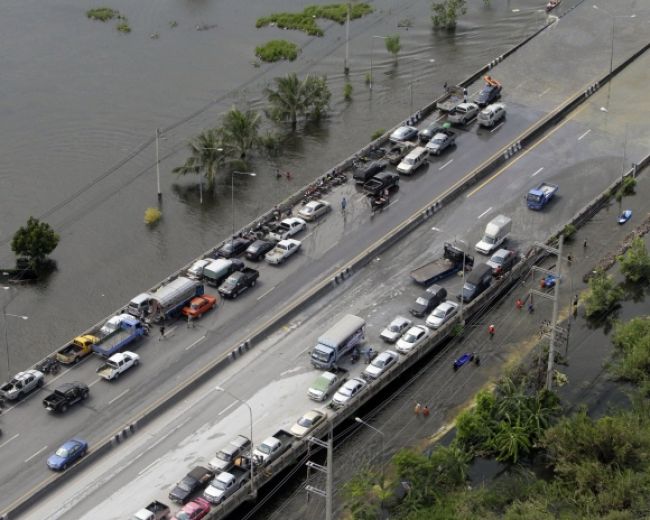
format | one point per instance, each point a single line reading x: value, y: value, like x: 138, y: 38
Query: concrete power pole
x: 556, y: 302
x: 328, y: 494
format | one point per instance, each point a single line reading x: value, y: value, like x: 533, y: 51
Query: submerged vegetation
x: 102, y: 14
x: 306, y: 21
x: 276, y: 50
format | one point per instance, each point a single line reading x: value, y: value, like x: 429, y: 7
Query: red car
x: 197, y: 508
x: 199, y: 306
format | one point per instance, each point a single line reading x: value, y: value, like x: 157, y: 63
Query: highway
x: 270, y: 377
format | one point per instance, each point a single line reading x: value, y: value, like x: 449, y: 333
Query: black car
x: 190, y: 483
x: 488, y: 94
x: 258, y: 249
x: 431, y: 298
x: 364, y: 174
x: 427, y: 134
x: 234, y: 247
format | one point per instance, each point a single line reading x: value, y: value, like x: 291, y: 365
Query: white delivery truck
x: 495, y: 234
x: 338, y: 341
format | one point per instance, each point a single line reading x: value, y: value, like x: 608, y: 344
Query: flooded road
x: 81, y: 103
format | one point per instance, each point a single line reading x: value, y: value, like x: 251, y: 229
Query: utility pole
x: 346, y: 65
x: 328, y: 494
x: 556, y: 299
x: 158, y: 165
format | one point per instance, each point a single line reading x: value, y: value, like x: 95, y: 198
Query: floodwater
x: 81, y: 102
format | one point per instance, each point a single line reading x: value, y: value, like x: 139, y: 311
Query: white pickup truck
x: 282, y: 250
x: 287, y: 228
x: 117, y: 364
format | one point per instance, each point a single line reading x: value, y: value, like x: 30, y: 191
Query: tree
x: 603, y: 295
x: 446, y: 12
x: 240, y: 131
x: 294, y: 98
x: 208, y: 152
x: 36, y: 241
x: 632, y: 341
x: 393, y: 45
x: 635, y: 263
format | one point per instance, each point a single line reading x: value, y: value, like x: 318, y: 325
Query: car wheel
x: 19, y: 396
x: 40, y: 383
x: 64, y: 408
x: 253, y: 283
x: 234, y: 295
x: 85, y: 394
x: 136, y: 362
x: 117, y: 376
x: 64, y: 467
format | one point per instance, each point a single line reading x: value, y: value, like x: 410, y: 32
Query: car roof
x: 400, y: 320
x: 446, y: 305
x: 312, y: 414
x: 293, y: 220
x: 386, y: 354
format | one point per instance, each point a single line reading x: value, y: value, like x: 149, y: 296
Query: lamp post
x: 372, y: 48
x: 460, y: 308
x: 346, y: 67
x: 413, y: 59
x: 250, y: 412
x: 5, y: 314
x: 232, y: 198
x: 611, y: 53
x: 158, y: 137
x: 383, y: 438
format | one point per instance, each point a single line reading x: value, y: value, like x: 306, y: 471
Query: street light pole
x: 158, y: 165
x: 383, y: 439
x: 232, y: 198
x: 346, y: 67
x: 372, y: 49
x: 250, y: 413
x: 414, y: 59
x: 5, y: 314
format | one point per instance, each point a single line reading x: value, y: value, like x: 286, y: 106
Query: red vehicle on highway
x: 199, y: 306
x: 194, y: 510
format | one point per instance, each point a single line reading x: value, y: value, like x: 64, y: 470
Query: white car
x: 117, y: 364
x: 287, y: 228
x: 314, y: 209
x: 347, y: 392
x: 307, y: 423
x: 412, y: 338
x: 282, y: 250
x: 442, y: 314
x: 396, y: 328
x: 380, y: 364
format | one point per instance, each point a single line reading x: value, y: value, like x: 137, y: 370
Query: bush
x: 446, y: 12
x: 377, y: 134
x: 276, y: 50
x: 635, y: 263
x: 347, y: 92
x: 152, y: 215
x: 603, y: 295
x: 569, y: 232
x: 124, y: 27
x: 103, y: 14
x: 632, y: 340
x: 306, y: 21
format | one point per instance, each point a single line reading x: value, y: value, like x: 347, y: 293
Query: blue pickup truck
x: 131, y: 329
x: 541, y: 195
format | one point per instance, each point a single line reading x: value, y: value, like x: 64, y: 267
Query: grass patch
x: 276, y: 50
x: 124, y: 27
x: 377, y: 134
x: 306, y: 21
x: 103, y: 14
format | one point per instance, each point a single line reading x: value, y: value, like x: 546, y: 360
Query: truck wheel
x: 64, y: 467
x: 85, y: 395
x: 20, y: 395
x: 253, y: 283
x: 64, y: 408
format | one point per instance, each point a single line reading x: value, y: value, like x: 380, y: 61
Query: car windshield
x: 346, y: 391
x: 422, y: 301
x: 439, y: 313
x: 219, y: 485
x: 393, y: 327
x: 409, y: 160
x: 498, y: 259
x: 309, y: 209
x: 62, y: 452
x: 223, y: 456
x: 410, y: 337
x: 284, y: 226
x: 440, y: 138
x: 265, y: 448
x: 380, y: 362
x: 305, y: 422
x: 183, y: 515
x: 185, y: 485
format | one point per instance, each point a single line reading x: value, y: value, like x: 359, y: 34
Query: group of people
x: 419, y: 409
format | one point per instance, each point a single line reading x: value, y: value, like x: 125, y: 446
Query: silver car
x: 442, y: 314
x: 380, y: 364
x: 347, y: 392
x: 314, y: 209
x: 396, y: 328
x: 412, y: 338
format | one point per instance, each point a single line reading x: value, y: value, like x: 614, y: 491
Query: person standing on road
x: 425, y: 411
x: 344, y: 204
x: 162, y: 333
x: 417, y: 409
x: 464, y: 95
x: 491, y: 330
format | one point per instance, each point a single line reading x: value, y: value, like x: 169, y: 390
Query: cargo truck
x: 338, y: 341
x: 449, y: 263
x: 167, y: 301
x: 130, y: 330
x: 495, y: 234
x: 540, y: 196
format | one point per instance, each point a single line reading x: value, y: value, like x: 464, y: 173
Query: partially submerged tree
x: 34, y: 241
x: 603, y: 295
x: 446, y: 12
x: 393, y: 45
x: 240, y: 131
x: 208, y: 152
x: 635, y: 263
x: 294, y: 98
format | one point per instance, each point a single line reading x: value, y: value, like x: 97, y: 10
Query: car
x: 440, y: 142
x: 431, y: 298
x: 234, y: 247
x: 404, y: 133
x: 502, y: 261
x: 307, y: 423
x: 491, y: 115
x: 194, y: 510
x: 199, y: 306
x: 190, y: 483
x: 489, y: 93
x: 396, y: 328
x: 22, y: 384
x: 625, y: 216
x: 282, y: 250
x: 287, y: 228
x: 464, y: 359
x: 397, y: 151
x: 258, y: 249
x: 314, y: 209
x: 442, y: 314
x: 432, y: 129
x: 67, y: 454
x: 347, y: 392
x: 463, y: 113
x: 380, y: 364
x: 225, y: 457
x: 412, y: 338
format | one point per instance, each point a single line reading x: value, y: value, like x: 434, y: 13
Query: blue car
x: 625, y: 216
x: 67, y: 454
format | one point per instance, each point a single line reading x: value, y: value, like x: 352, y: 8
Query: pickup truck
x: 272, y: 448
x: 109, y: 328
x: 65, y: 395
x: 225, y: 484
x: 441, y: 141
x: 287, y: 228
x: 154, y: 511
x: 191, y: 482
x: 463, y: 113
x: 449, y: 263
x: 117, y: 364
x: 541, y: 195
x: 131, y: 330
x: 80, y: 347
x: 398, y: 151
x: 238, y: 282
x: 490, y: 92
x: 227, y: 456
x: 382, y: 181
x: 282, y: 250
x: 327, y: 383
x: 22, y: 384
x: 455, y: 96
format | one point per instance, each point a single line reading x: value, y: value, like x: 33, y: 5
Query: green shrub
x: 103, y: 14
x: 347, y: 92
x: 377, y: 134
x: 276, y: 50
x: 124, y: 27
x: 569, y: 232
x: 306, y: 21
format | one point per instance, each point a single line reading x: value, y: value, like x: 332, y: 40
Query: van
x: 478, y: 280
x: 218, y: 270
x: 495, y: 234
x: 491, y: 115
x: 338, y: 341
x: 365, y: 174
x: 196, y: 271
x: 413, y: 160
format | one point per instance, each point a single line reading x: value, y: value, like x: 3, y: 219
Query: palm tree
x: 241, y: 131
x: 208, y: 152
x: 294, y: 98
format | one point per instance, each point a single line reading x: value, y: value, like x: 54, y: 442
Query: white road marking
x: 533, y: 175
x: 307, y: 236
x: 436, y: 120
x: 227, y: 408
x: 446, y: 164
x: 392, y: 203
x: 267, y: 292
x: 148, y: 467
x: 197, y: 341
x: 95, y: 382
x: 121, y: 395
x: 36, y: 454
x: 497, y: 127
x: 549, y: 88
x: 485, y: 212
x: 361, y: 198
x: 584, y: 135
x: 9, y: 440
x: 290, y: 371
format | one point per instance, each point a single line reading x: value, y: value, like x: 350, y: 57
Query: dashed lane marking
x: 584, y: 135
x: 119, y: 396
x: 485, y: 212
x: 533, y: 175
x: 446, y: 164
x: 36, y: 454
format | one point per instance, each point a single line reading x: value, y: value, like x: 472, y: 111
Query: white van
x: 491, y: 115
x: 196, y: 271
x: 416, y: 158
